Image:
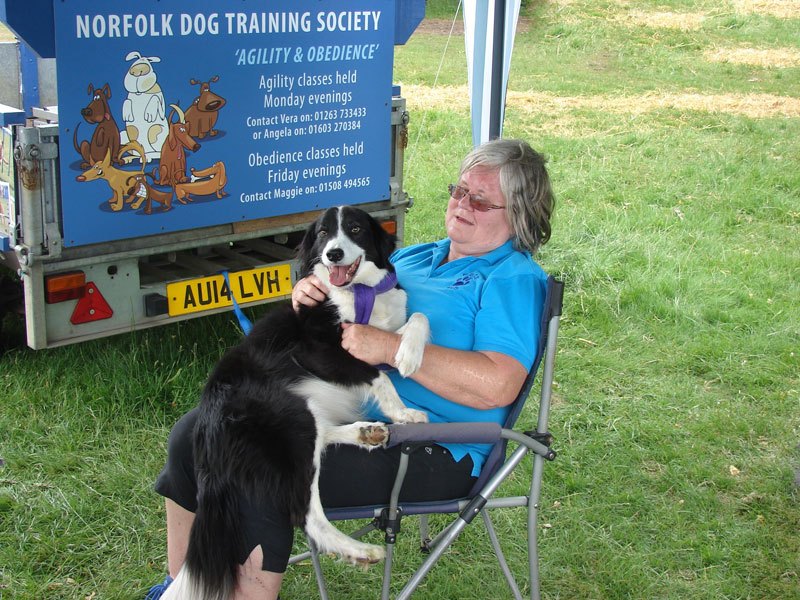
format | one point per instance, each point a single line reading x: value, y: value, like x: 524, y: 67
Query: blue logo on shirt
x: 464, y: 280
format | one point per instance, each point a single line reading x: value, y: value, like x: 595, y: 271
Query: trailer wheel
x: 11, y: 303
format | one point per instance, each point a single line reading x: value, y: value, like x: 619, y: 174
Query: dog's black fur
x: 254, y: 434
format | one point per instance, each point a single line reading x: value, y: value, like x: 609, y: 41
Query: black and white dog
x: 287, y: 390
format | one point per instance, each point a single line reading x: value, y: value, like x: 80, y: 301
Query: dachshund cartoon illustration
x: 117, y: 179
x: 204, y: 182
x: 144, y: 110
x: 106, y: 137
x: 172, y: 166
x: 202, y: 115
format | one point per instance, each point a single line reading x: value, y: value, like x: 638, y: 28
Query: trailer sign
x: 184, y: 114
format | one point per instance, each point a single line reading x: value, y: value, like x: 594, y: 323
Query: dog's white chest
x: 388, y: 311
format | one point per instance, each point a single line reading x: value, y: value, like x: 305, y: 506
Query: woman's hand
x: 309, y: 291
x: 370, y: 344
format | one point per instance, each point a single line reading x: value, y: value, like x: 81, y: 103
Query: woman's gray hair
x: 525, y: 184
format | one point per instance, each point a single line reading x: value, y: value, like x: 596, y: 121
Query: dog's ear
x: 385, y: 244
x: 107, y: 91
x: 306, y: 257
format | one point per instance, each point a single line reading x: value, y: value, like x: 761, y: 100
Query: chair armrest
x: 462, y: 433
x: 453, y: 433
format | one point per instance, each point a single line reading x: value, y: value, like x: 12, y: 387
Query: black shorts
x: 350, y: 476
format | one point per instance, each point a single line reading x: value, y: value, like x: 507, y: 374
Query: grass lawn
x: 672, y: 134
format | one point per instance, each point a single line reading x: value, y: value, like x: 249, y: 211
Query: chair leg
x: 501, y: 559
x: 323, y: 589
x: 424, y: 534
x: 387, y: 571
x: 441, y: 535
x: 450, y: 535
x: 533, y: 531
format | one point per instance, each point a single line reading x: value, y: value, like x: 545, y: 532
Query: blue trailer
x: 191, y: 144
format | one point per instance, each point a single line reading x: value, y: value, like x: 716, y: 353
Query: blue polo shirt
x: 473, y: 303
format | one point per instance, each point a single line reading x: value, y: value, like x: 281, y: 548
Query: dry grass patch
x: 783, y: 9
x: 639, y: 18
x: 780, y: 57
x: 749, y: 105
x: 664, y: 20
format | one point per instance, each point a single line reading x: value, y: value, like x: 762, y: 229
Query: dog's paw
x: 374, y: 435
x: 415, y: 334
x: 410, y: 415
x: 407, y: 359
x: 363, y: 556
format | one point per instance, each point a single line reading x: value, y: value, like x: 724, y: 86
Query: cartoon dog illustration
x: 117, y: 179
x: 141, y: 191
x: 172, y: 166
x: 202, y: 115
x: 106, y: 135
x: 144, y: 110
x: 204, y: 182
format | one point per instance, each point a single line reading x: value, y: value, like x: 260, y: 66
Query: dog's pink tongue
x: 338, y: 275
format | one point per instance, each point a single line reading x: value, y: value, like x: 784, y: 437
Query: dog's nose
x: 86, y: 112
x: 335, y: 255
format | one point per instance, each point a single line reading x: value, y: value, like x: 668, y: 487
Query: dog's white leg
x: 415, y: 334
x: 327, y: 538
x: 389, y: 402
x: 366, y: 434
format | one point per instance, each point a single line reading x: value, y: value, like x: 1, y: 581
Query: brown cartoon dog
x: 117, y: 179
x: 172, y: 166
x: 106, y: 133
x: 140, y: 191
x: 202, y: 115
x: 208, y: 181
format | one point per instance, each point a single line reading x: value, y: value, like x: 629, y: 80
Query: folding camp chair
x: 480, y: 499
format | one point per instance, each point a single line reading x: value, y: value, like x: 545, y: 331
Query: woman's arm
x: 477, y: 379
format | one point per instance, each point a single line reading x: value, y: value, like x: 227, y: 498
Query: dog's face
x: 97, y: 110
x: 99, y: 170
x: 135, y: 184
x: 345, y: 246
x: 214, y: 170
x: 140, y: 76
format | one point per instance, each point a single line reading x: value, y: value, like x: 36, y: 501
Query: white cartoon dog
x: 143, y: 111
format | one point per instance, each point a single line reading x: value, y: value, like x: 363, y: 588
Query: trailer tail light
x: 64, y: 286
x: 389, y: 227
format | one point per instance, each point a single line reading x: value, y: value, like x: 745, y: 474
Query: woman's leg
x: 254, y: 583
x: 259, y: 577
x: 354, y: 476
x: 179, y: 525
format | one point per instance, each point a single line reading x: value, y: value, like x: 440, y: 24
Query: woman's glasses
x: 476, y: 202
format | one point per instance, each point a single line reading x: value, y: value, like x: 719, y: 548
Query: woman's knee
x: 254, y: 582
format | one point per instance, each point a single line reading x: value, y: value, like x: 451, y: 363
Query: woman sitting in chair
x: 477, y: 287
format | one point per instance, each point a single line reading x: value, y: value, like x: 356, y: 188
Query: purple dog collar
x: 365, y: 296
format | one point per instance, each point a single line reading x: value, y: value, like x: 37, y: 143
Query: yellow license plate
x: 206, y: 293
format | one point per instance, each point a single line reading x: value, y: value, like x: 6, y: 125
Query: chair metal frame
x: 480, y: 500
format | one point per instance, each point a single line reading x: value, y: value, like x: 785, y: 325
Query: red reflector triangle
x: 91, y: 307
